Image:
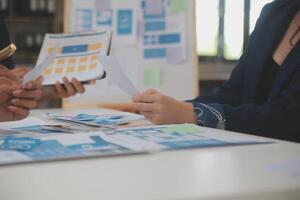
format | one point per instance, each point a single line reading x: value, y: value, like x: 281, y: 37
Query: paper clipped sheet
x: 117, y: 75
x: 77, y: 56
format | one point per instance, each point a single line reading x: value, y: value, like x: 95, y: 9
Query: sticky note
x: 82, y: 68
x: 102, y: 4
x: 125, y: 22
x: 104, y: 18
x: 178, y: 5
x: 154, y: 7
x: 183, y: 128
x: 176, y: 55
x: 70, y: 69
x: 59, y: 70
x: 152, y: 77
x: 48, y: 71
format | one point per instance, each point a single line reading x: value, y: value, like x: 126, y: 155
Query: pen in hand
x: 7, y: 51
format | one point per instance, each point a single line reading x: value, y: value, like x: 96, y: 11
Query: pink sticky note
x: 102, y: 4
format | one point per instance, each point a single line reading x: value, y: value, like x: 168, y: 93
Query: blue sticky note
x: 124, y: 24
x: 85, y: 117
x: 104, y: 18
x: 84, y: 18
x: 74, y: 49
x: 155, y: 26
x: 169, y: 38
x: 155, y: 53
x: 19, y: 144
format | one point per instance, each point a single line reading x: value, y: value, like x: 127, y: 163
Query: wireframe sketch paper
x: 38, y: 70
x: 72, y: 55
x: 45, y: 146
x: 103, y: 120
x: 117, y: 75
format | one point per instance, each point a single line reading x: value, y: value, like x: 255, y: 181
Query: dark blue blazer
x: 279, y: 117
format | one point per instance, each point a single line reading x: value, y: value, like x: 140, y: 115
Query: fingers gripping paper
x: 38, y: 70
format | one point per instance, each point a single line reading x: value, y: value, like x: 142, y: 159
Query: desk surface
x: 243, y: 172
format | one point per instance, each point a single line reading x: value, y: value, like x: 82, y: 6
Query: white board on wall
x: 154, y: 40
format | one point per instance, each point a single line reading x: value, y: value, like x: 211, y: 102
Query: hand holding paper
x: 116, y: 73
x: 37, y: 71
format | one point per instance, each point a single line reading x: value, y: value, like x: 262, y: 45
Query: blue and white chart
x: 118, y: 16
x: 17, y: 145
x: 163, y: 32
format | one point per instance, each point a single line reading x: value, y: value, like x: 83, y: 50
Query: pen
x: 7, y: 51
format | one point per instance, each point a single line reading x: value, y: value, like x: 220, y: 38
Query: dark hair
x: 298, y: 3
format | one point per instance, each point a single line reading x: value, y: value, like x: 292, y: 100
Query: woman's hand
x: 160, y: 109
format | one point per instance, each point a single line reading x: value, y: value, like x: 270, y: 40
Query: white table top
x: 241, y: 172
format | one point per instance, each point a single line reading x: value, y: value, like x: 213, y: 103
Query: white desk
x: 217, y: 173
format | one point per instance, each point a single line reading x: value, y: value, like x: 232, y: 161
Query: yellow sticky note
x: 96, y: 46
x: 152, y: 77
x: 72, y: 60
x: 70, y: 69
x: 61, y: 61
x: 94, y: 57
x: 83, y: 59
x: 50, y: 50
x: 178, y: 5
x: 59, y: 70
x: 82, y: 68
x: 93, y: 66
x: 48, y: 71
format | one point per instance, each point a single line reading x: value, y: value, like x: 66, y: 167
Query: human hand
x: 22, y: 100
x: 161, y: 109
x: 70, y: 88
x: 8, y: 81
x: 19, y: 72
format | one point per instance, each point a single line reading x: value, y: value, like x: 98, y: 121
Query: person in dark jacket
x: 262, y: 96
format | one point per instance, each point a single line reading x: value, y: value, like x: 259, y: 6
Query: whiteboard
x: 172, y: 77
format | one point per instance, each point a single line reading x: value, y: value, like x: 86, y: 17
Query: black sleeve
x: 4, y: 42
x: 231, y: 91
x: 278, y: 118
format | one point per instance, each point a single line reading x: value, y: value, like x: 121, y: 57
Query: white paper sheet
x: 29, y: 121
x: 115, y: 72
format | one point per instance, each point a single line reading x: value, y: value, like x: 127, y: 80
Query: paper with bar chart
x: 76, y: 57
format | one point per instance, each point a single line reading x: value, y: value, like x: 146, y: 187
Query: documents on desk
x: 38, y: 140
